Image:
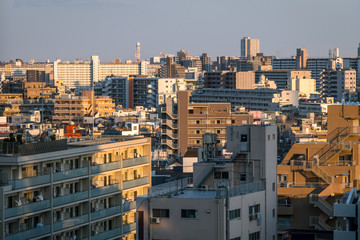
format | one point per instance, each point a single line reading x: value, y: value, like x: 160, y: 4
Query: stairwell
x: 203, y: 175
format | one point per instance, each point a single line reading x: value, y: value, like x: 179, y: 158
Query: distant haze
x: 70, y: 29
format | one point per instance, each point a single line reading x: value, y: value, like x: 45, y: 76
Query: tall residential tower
x: 249, y: 47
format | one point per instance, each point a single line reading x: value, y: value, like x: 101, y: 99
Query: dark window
x: 254, y: 236
x: 243, y: 138
x: 235, y: 213
x: 218, y: 121
x: 188, y: 213
x: 191, y: 111
x: 217, y: 175
x: 243, y: 177
x: 225, y: 175
x: 161, y: 213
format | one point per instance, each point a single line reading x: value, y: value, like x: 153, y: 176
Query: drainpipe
x: 227, y: 210
x: 122, y: 214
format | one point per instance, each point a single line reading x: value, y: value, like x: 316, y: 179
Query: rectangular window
x: 189, y: 213
x: 221, y: 175
x: 253, y: 210
x: 254, y: 236
x: 160, y: 213
x: 235, y: 213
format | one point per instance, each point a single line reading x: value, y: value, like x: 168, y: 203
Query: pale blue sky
x: 70, y: 29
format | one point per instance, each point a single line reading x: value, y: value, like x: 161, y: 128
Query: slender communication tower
x: 137, y: 53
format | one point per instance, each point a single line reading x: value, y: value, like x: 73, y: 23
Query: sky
x: 71, y: 29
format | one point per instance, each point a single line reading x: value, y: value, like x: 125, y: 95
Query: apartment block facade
x: 313, y: 176
x: 231, y: 198
x: 183, y: 123
x: 83, y: 190
x: 228, y: 79
x: 75, y: 108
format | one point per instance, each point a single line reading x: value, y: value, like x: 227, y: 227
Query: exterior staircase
x: 335, y: 138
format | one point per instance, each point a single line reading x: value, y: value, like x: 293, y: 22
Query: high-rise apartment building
x: 337, y: 81
x: 359, y: 51
x: 301, y: 58
x: 183, y: 123
x: 281, y: 77
x: 75, y: 108
x: 227, y: 79
x: 206, y: 62
x: 83, y: 74
x: 249, y: 47
x: 233, y: 198
x: 83, y: 190
x: 314, y: 175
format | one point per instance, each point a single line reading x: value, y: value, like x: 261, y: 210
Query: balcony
x: 29, y: 233
x: 33, y: 207
x: 286, y: 210
x: 105, y: 167
x: 31, y: 181
x: 348, y: 235
x: 128, y: 206
x: 135, y: 183
x: 107, y: 235
x: 105, y: 190
x: 344, y: 210
x: 70, y: 198
x: 105, y: 213
x: 71, y: 222
x: 79, y: 172
x: 135, y: 161
x: 129, y: 228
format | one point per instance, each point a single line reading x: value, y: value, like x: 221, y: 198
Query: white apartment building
x: 305, y: 86
x: 83, y: 190
x: 231, y: 198
x: 82, y: 74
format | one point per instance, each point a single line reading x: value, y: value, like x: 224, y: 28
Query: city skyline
x: 52, y: 29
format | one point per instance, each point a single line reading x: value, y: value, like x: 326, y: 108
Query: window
x: 273, y: 211
x: 253, y: 210
x: 217, y: 131
x: 191, y: 111
x: 161, y: 213
x: 197, y: 122
x: 188, y: 213
x: 218, y: 121
x: 221, y: 175
x: 254, y: 236
x: 243, y: 177
x: 235, y: 213
x: 269, y: 137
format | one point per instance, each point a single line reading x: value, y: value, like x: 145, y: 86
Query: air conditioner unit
x: 204, y: 187
x: 155, y: 220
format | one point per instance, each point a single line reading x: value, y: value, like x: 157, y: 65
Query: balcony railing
x: 32, y: 233
x: 107, y: 234
x: 27, y: 208
x: 79, y: 172
x: 135, y: 183
x: 105, y: 167
x: 71, y: 222
x: 70, y: 198
x: 105, y: 190
x: 105, y: 212
x: 31, y: 181
x: 129, y: 228
x: 135, y: 161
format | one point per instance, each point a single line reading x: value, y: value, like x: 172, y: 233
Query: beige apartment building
x: 75, y: 108
x: 183, y: 123
x: 38, y: 90
x: 229, y: 79
x: 78, y: 73
x: 84, y: 190
x: 315, y: 175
